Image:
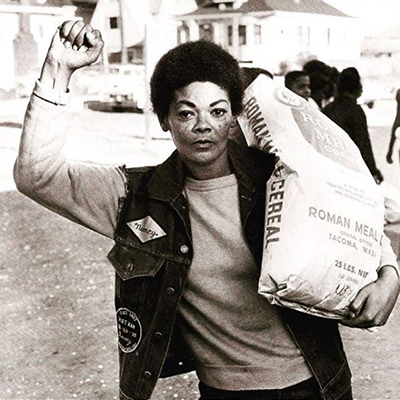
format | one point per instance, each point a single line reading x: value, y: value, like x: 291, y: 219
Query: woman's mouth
x: 203, y: 144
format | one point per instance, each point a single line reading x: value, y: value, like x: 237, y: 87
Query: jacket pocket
x: 131, y: 263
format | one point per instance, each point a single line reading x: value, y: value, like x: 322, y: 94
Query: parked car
x: 125, y: 83
x: 375, y: 90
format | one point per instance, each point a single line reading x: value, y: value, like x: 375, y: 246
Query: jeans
x: 307, y: 390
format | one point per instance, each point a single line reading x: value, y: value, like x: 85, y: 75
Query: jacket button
x: 170, y: 290
x: 147, y: 374
x: 158, y: 336
x: 184, y: 249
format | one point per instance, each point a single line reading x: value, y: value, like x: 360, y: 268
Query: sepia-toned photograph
x: 199, y: 199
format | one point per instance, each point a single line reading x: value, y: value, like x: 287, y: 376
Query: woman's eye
x: 219, y: 112
x: 185, y: 113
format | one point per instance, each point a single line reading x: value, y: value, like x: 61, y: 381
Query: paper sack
x: 324, y: 213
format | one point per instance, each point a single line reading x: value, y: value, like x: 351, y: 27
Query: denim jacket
x: 151, y: 272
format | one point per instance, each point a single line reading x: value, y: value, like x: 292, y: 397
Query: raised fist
x: 74, y: 45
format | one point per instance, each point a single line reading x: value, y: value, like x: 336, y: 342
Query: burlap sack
x: 324, y: 213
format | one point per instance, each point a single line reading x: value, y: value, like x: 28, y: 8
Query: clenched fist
x: 74, y: 45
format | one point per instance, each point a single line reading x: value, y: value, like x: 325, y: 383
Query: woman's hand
x: 74, y: 45
x: 374, y: 303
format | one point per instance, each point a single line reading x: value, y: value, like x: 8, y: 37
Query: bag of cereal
x: 324, y: 213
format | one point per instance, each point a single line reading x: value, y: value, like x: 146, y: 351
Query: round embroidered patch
x: 129, y: 330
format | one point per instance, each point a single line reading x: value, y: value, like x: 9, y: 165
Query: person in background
x: 350, y: 116
x: 396, y: 124
x: 323, y: 80
x: 299, y: 83
x: 188, y: 236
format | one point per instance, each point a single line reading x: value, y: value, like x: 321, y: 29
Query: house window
x: 299, y: 35
x: 114, y: 58
x: 114, y: 22
x: 183, y: 34
x: 206, y: 32
x: 242, y: 35
x: 230, y: 33
x: 308, y: 36
x: 135, y: 54
x: 257, y: 34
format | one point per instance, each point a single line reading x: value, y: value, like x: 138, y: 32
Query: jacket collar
x: 252, y: 169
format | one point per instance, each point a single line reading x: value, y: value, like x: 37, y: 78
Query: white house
x: 127, y: 24
x: 274, y: 33
x: 26, y: 27
x: 381, y: 53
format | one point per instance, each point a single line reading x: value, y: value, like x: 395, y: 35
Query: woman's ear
x: 234, y: 122
x: 164, y: 123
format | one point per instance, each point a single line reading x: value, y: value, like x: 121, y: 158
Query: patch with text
x: 146, y: 229
x: 129, y: 330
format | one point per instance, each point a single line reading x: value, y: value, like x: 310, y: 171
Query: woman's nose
x: 202, y: 124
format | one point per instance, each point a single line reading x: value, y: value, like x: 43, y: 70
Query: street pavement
x: 32, y: 239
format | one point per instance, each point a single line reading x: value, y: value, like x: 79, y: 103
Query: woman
x: 188, y: 237
x: 351, y: 117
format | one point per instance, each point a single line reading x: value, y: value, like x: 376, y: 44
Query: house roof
x: 88, y: 2
x: 48, y: 3
x: 298, y: 6
x: 214, y: 10
x: 154, y: 5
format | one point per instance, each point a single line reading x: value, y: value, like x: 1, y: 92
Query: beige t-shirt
x: 238, y: 339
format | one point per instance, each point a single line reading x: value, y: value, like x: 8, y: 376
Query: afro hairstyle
x: 197, y: 61
x: 317, y: 66
x: 249, y: 74
x: 349, y: 81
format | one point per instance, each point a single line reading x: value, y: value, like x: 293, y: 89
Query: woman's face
x: 199, y: 120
